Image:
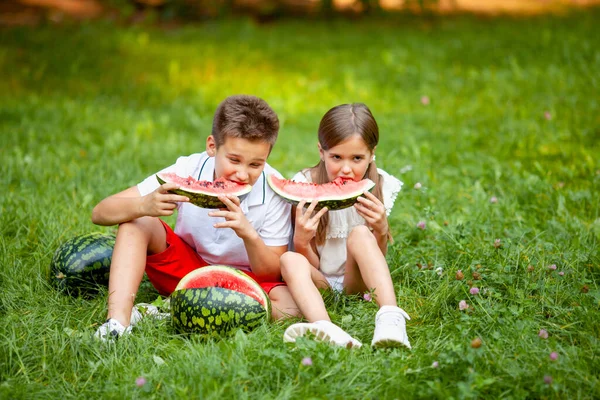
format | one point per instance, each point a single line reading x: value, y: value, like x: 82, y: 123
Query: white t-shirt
x: 332, y: 253
x: 268, y: 213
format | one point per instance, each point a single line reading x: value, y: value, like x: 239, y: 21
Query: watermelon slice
x: 335, y: 195
x: 204, y: 193
x: 216, y: 299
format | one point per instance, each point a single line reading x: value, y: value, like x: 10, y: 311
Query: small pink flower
x: 421, y: 225
x: 554, y: 356
x: 425, y: 100
x: 418, y: 185
x: 547, y: 115
x: 497, y: 243
x: 543, y: 334
x: 462, y: 305
x: 561, y: 273
x: 493, y: 199
x: 435, y: 364
x: 367, y: 296
x: 474, y: 290
x: 547, y: 379
x: 307, y: 361
x: 552, y: 267
x: 140, y: 381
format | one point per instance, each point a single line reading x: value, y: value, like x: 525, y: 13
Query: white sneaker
x: 111, y: 329
x: 390, y: 328
x: 141, y: 310
x: 324, y: 331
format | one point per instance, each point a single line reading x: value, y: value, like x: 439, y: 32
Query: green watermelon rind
x: 235, y: 273
x: 201, y: 311
x: 81, y: 264
x: 205, y: 199
x: 332, y: 203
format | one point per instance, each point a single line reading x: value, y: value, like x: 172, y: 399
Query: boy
x: 250, y: 235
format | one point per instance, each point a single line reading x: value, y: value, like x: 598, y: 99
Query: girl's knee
x: 292, y: 263
x: 359, y: 235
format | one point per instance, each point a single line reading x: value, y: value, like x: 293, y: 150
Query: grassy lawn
x: 498, y: 120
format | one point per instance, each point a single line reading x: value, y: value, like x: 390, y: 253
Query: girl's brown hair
x: 338, y: 124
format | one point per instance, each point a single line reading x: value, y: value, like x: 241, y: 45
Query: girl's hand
x: 306, y: 223
x: 161, y: 202
x: 373, y: 211
x: 234, y: 217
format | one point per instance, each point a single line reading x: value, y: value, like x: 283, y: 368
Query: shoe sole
x: 390, y: 344
x: 301, y: 329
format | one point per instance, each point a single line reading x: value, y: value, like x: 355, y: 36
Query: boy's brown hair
x: 246, y: 117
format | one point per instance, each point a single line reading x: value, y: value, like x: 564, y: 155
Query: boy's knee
x: 147, y: 229
x: 142, y: 225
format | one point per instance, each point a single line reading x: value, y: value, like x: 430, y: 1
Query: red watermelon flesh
x: 226, y: 278
x: 204, y: 193
x: 339, y: 187
x: 218, y: 186
x: 337, y: 194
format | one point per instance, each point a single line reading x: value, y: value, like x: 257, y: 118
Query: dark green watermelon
x: 217, y: 299
x: 81, y: 265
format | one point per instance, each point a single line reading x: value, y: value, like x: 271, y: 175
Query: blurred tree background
x: 31, y: 12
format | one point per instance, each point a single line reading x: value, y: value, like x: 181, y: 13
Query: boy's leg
x: 304, y: 281
x: 135, y: 239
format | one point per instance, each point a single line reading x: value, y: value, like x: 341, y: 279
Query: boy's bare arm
x: 264, y: 260
x: 129, y: 205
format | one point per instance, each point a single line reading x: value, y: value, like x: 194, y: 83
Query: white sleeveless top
x: 332, y: 253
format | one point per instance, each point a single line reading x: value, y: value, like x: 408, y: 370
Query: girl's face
x: 349, y: 159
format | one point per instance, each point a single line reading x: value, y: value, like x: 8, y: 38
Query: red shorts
x: 166, y: 269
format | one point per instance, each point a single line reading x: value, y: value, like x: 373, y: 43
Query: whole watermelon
x: 81, y: 265
x: 215, y: 300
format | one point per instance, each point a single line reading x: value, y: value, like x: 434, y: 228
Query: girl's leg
x: 283, y: 304
x: 304, y: 282
x: 366, y: 267
x: 135, y: 239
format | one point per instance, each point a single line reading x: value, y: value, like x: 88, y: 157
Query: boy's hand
x: 234, y: 217
x: 306, y: 223
x: 161, y: 202
x: 373, y: 211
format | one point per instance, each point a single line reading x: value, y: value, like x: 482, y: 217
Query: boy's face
x: 349, y: 159
x: 238, y: 160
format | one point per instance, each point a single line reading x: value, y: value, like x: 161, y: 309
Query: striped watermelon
x: 217, y: 299
x: 81, y: 265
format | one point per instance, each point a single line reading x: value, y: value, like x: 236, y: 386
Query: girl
x: 345, y: 249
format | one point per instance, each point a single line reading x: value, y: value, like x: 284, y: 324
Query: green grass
x: 88, y: 110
